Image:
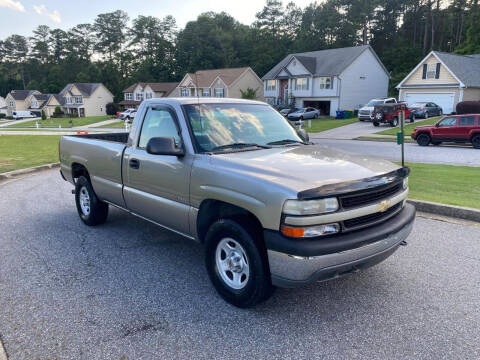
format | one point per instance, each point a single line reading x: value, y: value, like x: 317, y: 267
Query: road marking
x: 3, y: 353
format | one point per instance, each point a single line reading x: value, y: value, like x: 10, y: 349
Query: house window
x: 270, y: 85
x: 138, y: 96
x: 301, y: 84
x: 185, y: 92
x: 34, y: 104
x: 431, y: 71
x: 11, y: 104
x: 78, y: 100
x: 128, y: 96
x: 206, y: 92
x: 148, y: 95
x: 218, y: 92
x: 325, y: 83
x: 68, y: 100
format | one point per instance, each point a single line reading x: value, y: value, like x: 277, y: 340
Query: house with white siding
x: 329, y: 80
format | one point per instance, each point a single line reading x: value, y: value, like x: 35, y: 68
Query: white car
x: 366, y: 113
x: 17, y: 115
x: 128, y: 114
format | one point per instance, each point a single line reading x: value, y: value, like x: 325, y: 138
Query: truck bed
x: 115, y: 137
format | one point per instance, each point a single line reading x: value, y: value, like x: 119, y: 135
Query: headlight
x: 405, y: 183
x: 310, y: 207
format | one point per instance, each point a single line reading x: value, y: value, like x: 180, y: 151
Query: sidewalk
x: 18, y: 122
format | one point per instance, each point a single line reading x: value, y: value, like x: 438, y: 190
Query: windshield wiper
x: 287, y: 141
x: 239, y: 145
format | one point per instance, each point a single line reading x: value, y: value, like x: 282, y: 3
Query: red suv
x: 454, y: 128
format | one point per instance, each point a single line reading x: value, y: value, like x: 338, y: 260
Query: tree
x: 40, y: 49
x: 249, y: 93
x: 111, y: 31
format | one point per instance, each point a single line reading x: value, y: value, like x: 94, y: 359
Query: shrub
x: 468, y: 107
x: 249, y: 93
x: 44, y: 117
x: 112, y: 108
x: 2, y: 115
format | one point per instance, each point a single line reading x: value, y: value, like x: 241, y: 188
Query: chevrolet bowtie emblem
x: 384, y: 206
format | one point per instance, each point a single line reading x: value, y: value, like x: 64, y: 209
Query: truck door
x: 444, y: 128
x: 157, y: 186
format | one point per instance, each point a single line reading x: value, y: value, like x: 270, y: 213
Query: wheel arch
x: 79, y: 170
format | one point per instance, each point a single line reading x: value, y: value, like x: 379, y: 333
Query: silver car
x: 304, y: 113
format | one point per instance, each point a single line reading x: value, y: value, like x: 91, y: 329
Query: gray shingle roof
x: 85, y: 88
x: 328, y: 62
x: 464, y: 67
x: 21, y: 94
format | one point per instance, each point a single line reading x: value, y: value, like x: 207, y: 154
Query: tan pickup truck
x: 271, y: 208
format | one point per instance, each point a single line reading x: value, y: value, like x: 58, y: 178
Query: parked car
x: 366, y: 112
x: 304, y: 113
x: 454, y: 128
x: 390, y: 114
x: 425, y: 110
x: 289, y: 110
x: 271, y: 208
x: 128, y: 114
x: 17, y: 115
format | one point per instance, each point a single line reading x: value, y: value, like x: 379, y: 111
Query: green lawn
x: 409, y: 127
x: 319, y: 125
x: 119, y: 125
x: 23, y: 151
x: 453, y: 185
x: 63, y: 122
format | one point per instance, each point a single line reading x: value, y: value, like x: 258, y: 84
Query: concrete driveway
x: 351, y: 131
x: 129, y: 290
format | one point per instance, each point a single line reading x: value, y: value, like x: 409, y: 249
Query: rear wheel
x: 316, y: 116
x: 423, y: 139
x: 476, y: 141
x: 91, y: 210
x: 237, y: 262
x: 426, y: 115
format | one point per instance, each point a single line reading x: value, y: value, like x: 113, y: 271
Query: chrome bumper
x: 291, y: 271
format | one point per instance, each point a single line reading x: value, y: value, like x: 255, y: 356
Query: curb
x: 457, y: 212
x: 15, y: 173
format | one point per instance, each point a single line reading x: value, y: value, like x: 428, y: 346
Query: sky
x: 22, y: 16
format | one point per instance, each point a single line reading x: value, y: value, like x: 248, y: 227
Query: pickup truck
x: 271, y: 208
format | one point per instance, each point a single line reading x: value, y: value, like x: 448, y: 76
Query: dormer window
x: 68, y: 100
x: 34, y: 104
x: 128, y: 96
x: 148, y: 95
x: 11, y: 103
x: 185, y: 92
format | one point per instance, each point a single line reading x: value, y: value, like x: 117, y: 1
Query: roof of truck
x: 200, y: 100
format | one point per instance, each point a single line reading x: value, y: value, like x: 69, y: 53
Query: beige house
x: 219, y: 83
x: 3, y: 106
x: 44, y: 102
x: 85, y: 99
x: 444, y: 79
x: 17, y: 100
x: 136, y: 93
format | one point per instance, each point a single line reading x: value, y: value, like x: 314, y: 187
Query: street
x: 445, y: 154
x: 130, y: 290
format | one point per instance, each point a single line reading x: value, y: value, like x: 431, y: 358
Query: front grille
x: 364, y: 112
x: 370, y: 219
x: 370, y: 196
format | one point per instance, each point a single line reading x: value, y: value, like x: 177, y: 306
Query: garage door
x: 445, y: 100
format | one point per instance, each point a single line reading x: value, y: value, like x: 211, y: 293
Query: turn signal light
x: 293, y: 232
x: 311, y: 231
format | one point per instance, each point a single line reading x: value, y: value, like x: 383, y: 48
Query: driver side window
x: 158, y: 123
x: 448, y: 122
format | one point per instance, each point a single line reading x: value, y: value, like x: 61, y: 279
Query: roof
x: 86, y: 89
x: 21, y: 94
x: 205, y: 78
x: 328, y: 62
x: 44, y: 98
x: 200, y: 100
x: 166, y: 87
x: 465, y: 67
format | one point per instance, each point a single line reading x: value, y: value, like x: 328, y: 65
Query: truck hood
x: 303, y: 167
x: 369, y: 108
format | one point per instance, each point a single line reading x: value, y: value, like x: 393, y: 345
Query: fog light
x: 405, y: 183
x: 311, y: 231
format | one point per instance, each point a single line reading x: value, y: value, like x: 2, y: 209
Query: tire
x: 91, y: 210
x: 244, y: 281
x: 423, y: 139
x: 394, y: 122
x: 376, y: 123
x: 426, y: 115
x: 316, y: 116
x: 476, y: 141
x: 412, y: 118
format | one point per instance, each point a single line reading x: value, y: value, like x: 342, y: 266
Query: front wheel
x: 476, y: 141
x: 423, y: 140
x: 426, y: 115
x: 376, y: 123
x: 90, y: 208
x: 394, y: 122
x: 237, y: 263
x: 316, y: 116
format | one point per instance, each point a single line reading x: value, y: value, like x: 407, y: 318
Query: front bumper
x: 295, y: 263
x: 365, y: 117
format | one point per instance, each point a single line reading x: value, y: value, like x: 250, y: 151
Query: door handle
x: 134, y: 163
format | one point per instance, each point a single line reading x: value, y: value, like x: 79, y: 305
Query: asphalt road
x: 448, y: 154
x: 129, y: 290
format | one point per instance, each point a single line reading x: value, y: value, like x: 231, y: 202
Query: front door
x: 157, y: 186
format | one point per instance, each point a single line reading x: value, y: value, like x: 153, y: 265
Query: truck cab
x: 366, y: 112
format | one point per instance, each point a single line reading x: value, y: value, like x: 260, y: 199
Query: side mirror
x: 304, y: 135
x: 164, y: 146
x: 437, y: 125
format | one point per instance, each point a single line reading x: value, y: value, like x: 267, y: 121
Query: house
x: 85, y: 99
x: 443, y: 78
x: 3, y: 106
x: 134, y: 94
x: 44, y: 102
x: 220, y: 83
x: 17, y: 100
x: 329, y: 80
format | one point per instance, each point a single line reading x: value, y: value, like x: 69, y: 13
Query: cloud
x: 42, y: 10
x: 11, y: 4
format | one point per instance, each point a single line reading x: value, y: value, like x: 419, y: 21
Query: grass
x: 409, y: 127
x: 319, y: 125
x: 23, y: 151
x: 119, y: 125
x: 446, y: 184
x: 63, y: 122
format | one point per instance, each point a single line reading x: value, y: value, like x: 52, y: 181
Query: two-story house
x: 136, y: 93
x: 329, y: 80
x: 17, y: 100
x: 444, y: 79
x: 44, y: 102
x: 85, y: 99
x: 220, y: 83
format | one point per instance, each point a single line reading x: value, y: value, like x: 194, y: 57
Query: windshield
x: 417, y: 105
x: 375, y: 102
x: 218, y: 125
